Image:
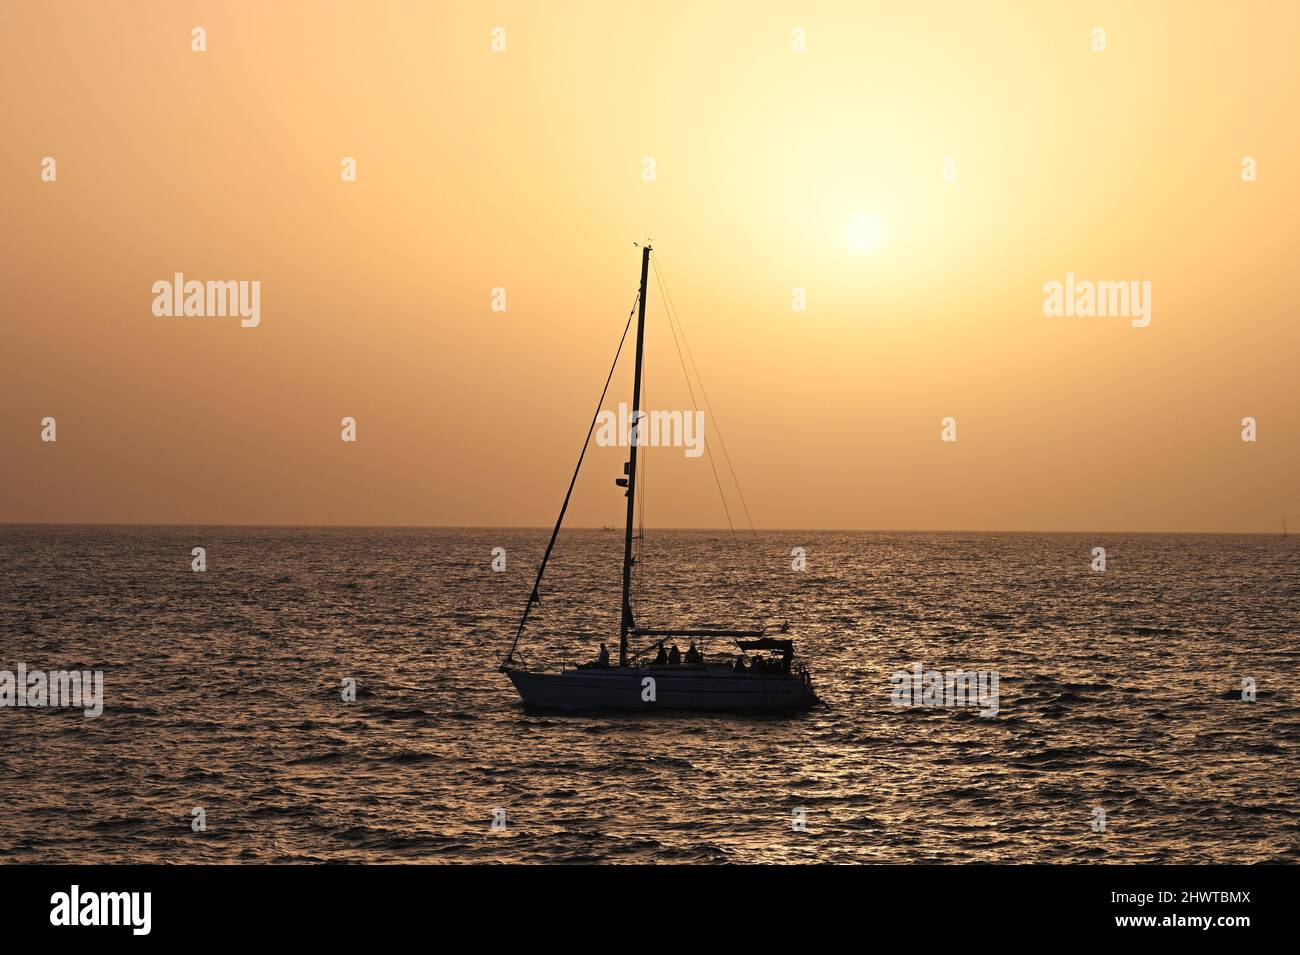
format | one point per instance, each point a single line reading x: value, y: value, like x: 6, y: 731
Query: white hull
x: 675, y: 688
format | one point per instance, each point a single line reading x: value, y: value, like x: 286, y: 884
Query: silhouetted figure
x: 602, y: 658
x: 674, y: 656
x: 739, y: 665
x: 693, y: 655
x: 662, y: 658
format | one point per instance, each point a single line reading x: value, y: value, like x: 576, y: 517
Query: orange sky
x: 523, y: 169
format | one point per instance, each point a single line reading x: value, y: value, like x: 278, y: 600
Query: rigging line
x: 663, y: 281
x: 534, y: 597
x: 641, y: 490
x: 675, y: 315
x: 685, y: 374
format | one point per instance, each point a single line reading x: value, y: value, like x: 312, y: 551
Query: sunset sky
x: 523, y: 169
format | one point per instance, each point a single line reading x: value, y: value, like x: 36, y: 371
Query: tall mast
x: 625, y: 622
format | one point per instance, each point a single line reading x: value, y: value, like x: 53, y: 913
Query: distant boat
x: 769, y: 678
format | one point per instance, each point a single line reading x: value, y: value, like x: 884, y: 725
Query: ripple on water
x: 1124, y: 692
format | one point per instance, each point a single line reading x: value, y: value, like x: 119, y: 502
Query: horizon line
x: 608, y: 528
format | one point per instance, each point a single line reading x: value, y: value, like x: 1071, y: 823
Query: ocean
x: 1121, y: 732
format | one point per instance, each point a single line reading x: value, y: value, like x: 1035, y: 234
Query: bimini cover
x: 767, y: 643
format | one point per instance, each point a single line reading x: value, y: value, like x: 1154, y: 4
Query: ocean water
x: 1119, y: 690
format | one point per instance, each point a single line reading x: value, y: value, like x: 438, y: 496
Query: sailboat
x: 765, y: 676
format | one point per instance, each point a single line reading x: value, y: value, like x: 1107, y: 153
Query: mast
x: 625, y: 621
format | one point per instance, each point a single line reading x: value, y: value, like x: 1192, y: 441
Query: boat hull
x: 674, y: 688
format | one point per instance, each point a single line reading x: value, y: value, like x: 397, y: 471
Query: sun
x: 863, y: 232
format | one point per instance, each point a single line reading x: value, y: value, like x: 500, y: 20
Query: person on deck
x: 739, y: 666
x: 661, y: 659
x: 674, y: 656
x: 693, y: 655
x: 602, y: 658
